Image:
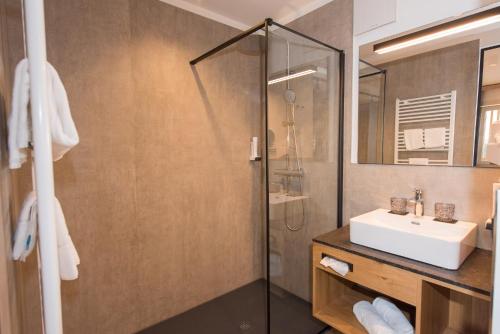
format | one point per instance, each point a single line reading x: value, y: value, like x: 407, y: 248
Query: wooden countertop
x: 474, y: 274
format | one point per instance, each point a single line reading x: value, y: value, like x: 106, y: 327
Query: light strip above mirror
x: 446, y: 29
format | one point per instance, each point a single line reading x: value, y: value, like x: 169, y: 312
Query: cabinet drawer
x: 391, y: 281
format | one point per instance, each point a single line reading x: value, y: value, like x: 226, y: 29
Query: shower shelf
x: 286, y: 172
x: 278, y: 198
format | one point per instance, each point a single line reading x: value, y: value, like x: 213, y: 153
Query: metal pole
x: 227, y: 43
x: 340, y: 169
x: 44, y: 176
x: 266, y: 166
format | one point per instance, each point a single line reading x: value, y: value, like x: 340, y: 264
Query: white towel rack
x: 44, y: 175
x: 425, y: 112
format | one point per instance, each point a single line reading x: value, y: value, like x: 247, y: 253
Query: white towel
x: 435, y: 137
x: 339, y: 267
x: 393, y: 316
x: 370, y: 319
x: 25, y: 238
x: 414, y: 139
x: 62, y: 128
x: 418, y: 161
x: 68, y: 256
x: 19, y: 131
x: 493, y: 153
x: 494, y: 133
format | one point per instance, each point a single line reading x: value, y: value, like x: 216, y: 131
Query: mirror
x: 488, y: 139
x: 418, y: 96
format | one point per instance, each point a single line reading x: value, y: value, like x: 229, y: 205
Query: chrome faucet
x: 419, y: 202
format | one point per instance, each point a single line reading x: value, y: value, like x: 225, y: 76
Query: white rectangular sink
x: 418, y: 238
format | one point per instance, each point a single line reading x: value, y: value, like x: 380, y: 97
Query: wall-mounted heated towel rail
x: 44, y: 176
x: 424, y: 113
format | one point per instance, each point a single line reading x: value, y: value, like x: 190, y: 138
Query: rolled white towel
x: 370, y: 319
x: 339, y: 267
x: 393, y: 316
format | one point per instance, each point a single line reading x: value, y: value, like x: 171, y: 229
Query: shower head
x: 289, y: 96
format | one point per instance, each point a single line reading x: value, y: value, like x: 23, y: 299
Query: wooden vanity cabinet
x: 432, y: 306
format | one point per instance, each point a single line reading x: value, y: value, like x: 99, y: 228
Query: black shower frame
x: 340, y: 155
x: 475, y: 162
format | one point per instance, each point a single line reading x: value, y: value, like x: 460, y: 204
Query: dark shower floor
x: 243, y: 311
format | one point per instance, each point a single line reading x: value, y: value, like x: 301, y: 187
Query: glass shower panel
x: 218, y: 239
x: 303, y: 124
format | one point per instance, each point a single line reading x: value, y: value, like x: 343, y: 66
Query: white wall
x: 410, y: 15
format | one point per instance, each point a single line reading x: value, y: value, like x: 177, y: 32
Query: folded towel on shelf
x: 435, y: 137
x: 393, y: 316
x: 339, y: 267
x: 370, y: 319
x: 25, y: 238
x: 62, y: 128
x: 414, y: 139
x: 418, y: 161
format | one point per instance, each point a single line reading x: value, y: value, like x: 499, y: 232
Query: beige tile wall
x: 160, y: 198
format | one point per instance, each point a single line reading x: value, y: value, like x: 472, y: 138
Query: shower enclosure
x: 298, y: 109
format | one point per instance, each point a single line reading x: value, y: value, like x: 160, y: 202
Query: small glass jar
x: 398, y: 205
x: 411, y: 206
x: 444, y: 212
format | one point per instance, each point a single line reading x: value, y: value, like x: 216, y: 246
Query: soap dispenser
x: 419, y: 203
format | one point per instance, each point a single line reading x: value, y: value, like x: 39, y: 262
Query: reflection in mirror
x: 488, y: 147
x: 417, y: 104
x: 370, y: 113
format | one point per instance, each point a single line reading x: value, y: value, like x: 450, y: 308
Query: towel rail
x: 44, y: 175
x: 425, y: 112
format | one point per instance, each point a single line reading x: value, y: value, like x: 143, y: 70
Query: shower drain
x: 245, y: 325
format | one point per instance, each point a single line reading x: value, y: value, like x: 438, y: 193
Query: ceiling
x: 243, y: 14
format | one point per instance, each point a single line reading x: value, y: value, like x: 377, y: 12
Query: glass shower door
x: 303, y: 135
